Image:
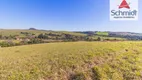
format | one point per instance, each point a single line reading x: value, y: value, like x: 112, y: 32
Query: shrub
x: 78, y: 76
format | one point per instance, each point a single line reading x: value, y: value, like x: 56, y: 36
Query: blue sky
x: 69, y: 15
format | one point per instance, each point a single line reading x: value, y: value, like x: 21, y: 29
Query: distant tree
x: 41, y: 36
x: 35, y: 41
x: 99, y: 39
x: 89, y: 39
x: 0, y: 36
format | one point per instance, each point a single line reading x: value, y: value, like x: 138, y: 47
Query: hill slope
x: 8, y: 32
x: 72, y: 61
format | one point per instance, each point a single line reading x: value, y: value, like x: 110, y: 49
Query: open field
x: 103, y: 33
x: 8, y: 32
x: 72, y: 61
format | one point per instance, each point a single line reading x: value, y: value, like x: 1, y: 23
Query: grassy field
x: 72, y: 61
x: 102, y: 33
x: 110, y: 38
x: 8, y: 32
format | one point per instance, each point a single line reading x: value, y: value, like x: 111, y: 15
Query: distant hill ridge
x: 127, y: 35
x: 32, y: 29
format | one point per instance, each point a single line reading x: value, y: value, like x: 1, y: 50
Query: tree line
x: 30, y: 38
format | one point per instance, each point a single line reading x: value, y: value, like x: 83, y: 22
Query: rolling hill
x: 8, y: 32
x: 72, y: 61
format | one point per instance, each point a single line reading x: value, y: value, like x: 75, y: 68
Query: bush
x: 7, y: 44
x: 96, y: 73
x: 35, y: 41
x: 78, y: 76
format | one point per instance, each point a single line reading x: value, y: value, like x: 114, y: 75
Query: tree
x: 99, y: 39
x: 0, y: 36
x: 41, y: 36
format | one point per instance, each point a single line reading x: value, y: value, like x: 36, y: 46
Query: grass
x: 102, y: 33
x: 8, y: 32
x: 72, y: 61
x: 110, y: 38
x: 15, y: 41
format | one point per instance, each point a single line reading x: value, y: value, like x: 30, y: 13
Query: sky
x: 63, y: 15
